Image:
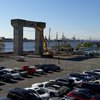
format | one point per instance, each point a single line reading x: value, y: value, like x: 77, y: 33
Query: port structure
x: 18, y: 25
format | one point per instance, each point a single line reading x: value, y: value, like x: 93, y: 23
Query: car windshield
x: 20, y: 70
x: 57, y: 88
x: 48, y: 84
x: 62, y: 80
x: 13, y: 71
x: 96, y: 70
x: 40, y: 91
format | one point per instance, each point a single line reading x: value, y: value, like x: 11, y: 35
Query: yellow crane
x: 46, y: 52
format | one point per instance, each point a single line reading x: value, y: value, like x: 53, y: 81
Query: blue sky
x: 71, y: 17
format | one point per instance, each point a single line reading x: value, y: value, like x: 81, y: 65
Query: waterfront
x: 30, y: 46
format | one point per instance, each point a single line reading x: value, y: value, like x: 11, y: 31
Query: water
x: 27, y: 46
x: 30, y: 46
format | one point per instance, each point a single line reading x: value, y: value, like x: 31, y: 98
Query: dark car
x: 65, y: 82
x: 88, y: 92
x: 81, y: 94
x: 5, y: 98
x: 5, y: 76
x: 97, y: 76
x: 54, y: 67
x: 2, y: 67
x: 92, y: 86
x: 89, y: 53
x: 44, y: 67
x: 81, y: 76
x: 49, y: 68
x: 22, y: 94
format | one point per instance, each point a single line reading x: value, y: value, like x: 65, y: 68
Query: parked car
x: 2, y: 67
x: 20, y: 58
x: 96, y: 71
x: 62, y: 98
x: 12, y: 72
x: 97, y: 81
x: 5, y: 76
x: 97, y: 76
x: 68, y: 98
x: 81, y: 76
x: 30, y: 69
x: 76, y: 80
x: 81, y: 94
x: 44, y: 67
x: 22, y: 72
x: 65, y: 82
x: 22, y: 94
x: 53, y: 90
x: 5, y: 98
x: 53, y: 67
x: 89, y: 53
x: 39, y: 71
x: 92, y: 86
x: 39, y: 92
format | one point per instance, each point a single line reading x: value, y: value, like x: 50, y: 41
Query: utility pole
x: 49, y: 34
x: 49, y: 38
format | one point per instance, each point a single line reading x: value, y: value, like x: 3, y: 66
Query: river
x: 30, y: 46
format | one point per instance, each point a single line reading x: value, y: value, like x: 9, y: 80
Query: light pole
x: 58, y: 52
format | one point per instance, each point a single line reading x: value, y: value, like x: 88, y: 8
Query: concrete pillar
x: 18, y: 40
x: 38, y: 41
x: 18, y: 25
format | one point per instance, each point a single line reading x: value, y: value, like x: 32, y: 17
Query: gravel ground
x: 68, y: 64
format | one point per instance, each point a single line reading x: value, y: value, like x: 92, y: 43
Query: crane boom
x: 46, y: 52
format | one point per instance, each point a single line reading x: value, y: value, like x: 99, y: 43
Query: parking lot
x: 67, y: 64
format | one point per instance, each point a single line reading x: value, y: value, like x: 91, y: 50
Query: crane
x: 46, y: 52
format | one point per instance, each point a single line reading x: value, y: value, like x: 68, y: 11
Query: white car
x: 39, y: 71
x: 97, y: 81
x: 96, y: 71
x: 76, y: 80
x: 43, y: 84
x: 14, y: 74
x: 39, y: 92
x: 53, y: 90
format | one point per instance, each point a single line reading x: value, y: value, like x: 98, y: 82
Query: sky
x: 79, y: 18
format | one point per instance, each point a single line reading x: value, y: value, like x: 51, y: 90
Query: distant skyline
x: 79, y: 18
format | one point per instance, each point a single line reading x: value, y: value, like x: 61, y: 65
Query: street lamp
x: 58, y: 52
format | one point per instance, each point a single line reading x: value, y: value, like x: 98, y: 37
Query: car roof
x: 45, y: 82
x: 35, y: 84
x: 96, y: 70
x: 8, y: 69
x: 18, y: 90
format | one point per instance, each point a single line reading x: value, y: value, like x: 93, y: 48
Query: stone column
x: 38, y: 41
x: 18, y: 41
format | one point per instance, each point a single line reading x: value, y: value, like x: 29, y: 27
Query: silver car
x: 14, y: 74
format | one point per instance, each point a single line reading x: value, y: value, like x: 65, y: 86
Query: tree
x: 84, y: 45
x: 87, y: 44
x: 79, y: 45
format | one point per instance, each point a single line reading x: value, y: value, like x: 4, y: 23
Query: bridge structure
x: 18, y: 25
